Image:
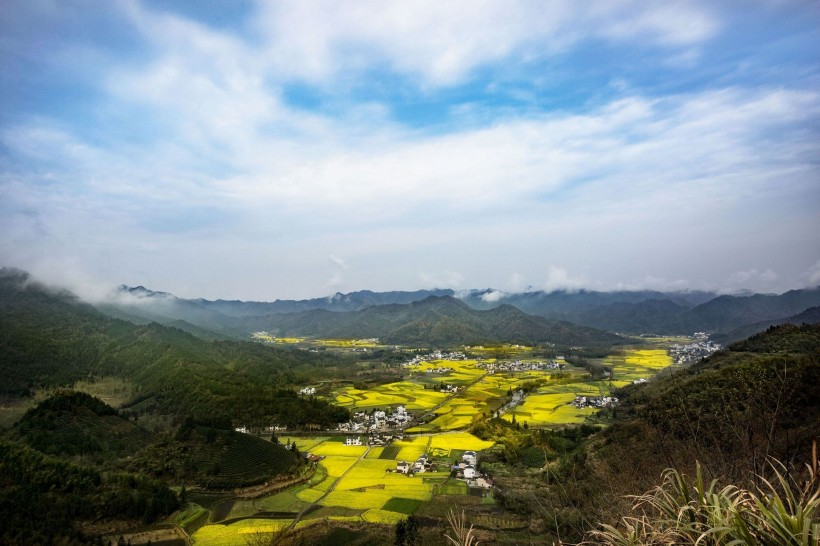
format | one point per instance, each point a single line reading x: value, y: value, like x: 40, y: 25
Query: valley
x: 273, y: 437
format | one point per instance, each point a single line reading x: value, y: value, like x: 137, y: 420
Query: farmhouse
x: 353, y: 441
x: 481, y: 481
x: 307, y: 390
x: 469, y: 457
x: 403, y: 467
x: 469, y: 472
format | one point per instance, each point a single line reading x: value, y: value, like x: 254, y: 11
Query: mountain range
x: 474, y: 315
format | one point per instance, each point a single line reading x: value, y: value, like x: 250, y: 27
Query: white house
x: 469, y: 457
x: 353, y: 441
x: 307, y: 390
x: 403, y: 467
x: 469, y: 472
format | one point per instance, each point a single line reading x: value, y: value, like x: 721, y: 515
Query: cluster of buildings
x: 437, y: 355
x: 447, y: 387
x: 373, y: 439
x: 309, y: 391
x: 440, y: 369
x: 244, y: 429
x: 467, y: 470
x: 693, y: 352
x: 377, y: 421
x: 519, y: 366
x: 422, y: 464
x: 595, y: 402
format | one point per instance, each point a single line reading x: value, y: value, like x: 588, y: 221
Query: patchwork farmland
x: 358, y: 483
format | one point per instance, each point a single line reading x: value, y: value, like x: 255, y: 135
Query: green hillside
x: 48, y: 500
x: 50, y: 339
x: 71, y: 423
x: 758, y: 399
x: 732, y: 413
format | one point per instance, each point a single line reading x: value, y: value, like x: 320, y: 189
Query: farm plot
x: 637, y: 363
x: 410, y: 394
x: 462, y: 371
x: 459, y: 440
x: 456, y: 413
x: 412, y: 448
x: 331, y: 448
x: 364, y: 489
x: 549, y: 409
x: 238, y: 533
x: 551, y: 404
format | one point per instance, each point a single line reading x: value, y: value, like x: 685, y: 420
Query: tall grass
x: 784, y: 510
x: 462, y: 535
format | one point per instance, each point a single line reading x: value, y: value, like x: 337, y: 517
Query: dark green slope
x: 757, y: 399
x: 809, y: 316
x: 70, y: 424
x: 50, y: 338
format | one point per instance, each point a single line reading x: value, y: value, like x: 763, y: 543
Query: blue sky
x: 263, y: 150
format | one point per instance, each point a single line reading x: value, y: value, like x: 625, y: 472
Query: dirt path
x: 309, y: 507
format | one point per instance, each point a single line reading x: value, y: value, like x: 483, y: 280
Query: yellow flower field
x: 236, y: 533
x: 459, y: 440
x: 374, y: 515
x: 329, y: 448
x: 336, y: 465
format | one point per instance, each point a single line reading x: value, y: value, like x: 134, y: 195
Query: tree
x: 407, y: 532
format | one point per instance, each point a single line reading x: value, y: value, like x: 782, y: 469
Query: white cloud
x: 444, y: 41
x: 558, y: 278
x: 813, y: 274
x: 492, y: 296
x: 515, y: 283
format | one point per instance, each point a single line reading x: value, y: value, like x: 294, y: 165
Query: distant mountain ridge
x: 628, y: 312
x: 438, y: 320
x: 352, y: 301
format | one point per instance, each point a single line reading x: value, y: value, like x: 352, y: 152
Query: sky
x: 257, y: 150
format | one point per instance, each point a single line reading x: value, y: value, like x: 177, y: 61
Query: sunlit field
x: 238, y: 533
x: 409, y: 394
x: 350, y: 487
x: 637, y: 363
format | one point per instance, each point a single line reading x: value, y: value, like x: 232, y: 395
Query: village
x: 581, y: 402
x: 437, y: 355
x: 377, y: 420
x: 519, y: 366
x: 693, y: 352
x: 466, y: 469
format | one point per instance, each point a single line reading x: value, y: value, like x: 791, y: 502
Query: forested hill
x: 438, y: 321
x: 732, y: 412
x: 50, y: 338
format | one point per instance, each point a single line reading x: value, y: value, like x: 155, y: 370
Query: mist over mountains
x: 401, y: 316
